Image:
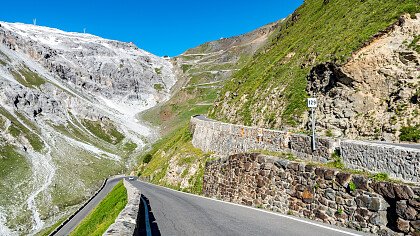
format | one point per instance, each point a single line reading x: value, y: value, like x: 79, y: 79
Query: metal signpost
x: 312, y: 103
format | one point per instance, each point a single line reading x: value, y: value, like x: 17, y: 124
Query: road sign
x: 312, y: 102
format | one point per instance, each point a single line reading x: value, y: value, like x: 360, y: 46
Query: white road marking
x: 257, y: 209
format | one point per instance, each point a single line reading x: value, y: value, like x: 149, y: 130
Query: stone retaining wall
x: 400, y: 162
x: 223, y: 138
x: 126, y: 222
x: 318, y: 193
x: 226, y: 139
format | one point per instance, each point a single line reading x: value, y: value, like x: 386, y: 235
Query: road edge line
x: 261, y: 210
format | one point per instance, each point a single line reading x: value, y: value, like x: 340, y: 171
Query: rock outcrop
x: 376, y: 92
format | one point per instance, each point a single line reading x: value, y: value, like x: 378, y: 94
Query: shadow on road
x: 141, y: 220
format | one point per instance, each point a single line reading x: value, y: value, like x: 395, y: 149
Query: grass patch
x: 129, y: 147
x: 380, y: 177
x: 158, y: 87
x: 336, y: 162
x: 15, y: 175
x: 175, y: 145
x: 49, y: 230
x: 158, y: 71
x: 410, y: 133
x: 196, y: 181
x: 28, y: 78
x: 98, y: 221
x: 283, y: 155
x: 104, y: 130
x: 415, y: 45
x: 177, y: 112
x: 16, y: 129
x: 317, y: 32
x: 185, y: 67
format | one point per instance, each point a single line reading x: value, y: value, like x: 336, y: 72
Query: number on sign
x: 312, y: 102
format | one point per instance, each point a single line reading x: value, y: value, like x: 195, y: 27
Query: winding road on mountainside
x: 173, y: 212
x: 73, y: 222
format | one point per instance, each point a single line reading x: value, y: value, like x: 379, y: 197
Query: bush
x: 147, y: 158
x: 410, y: 133
x: 352, y: 186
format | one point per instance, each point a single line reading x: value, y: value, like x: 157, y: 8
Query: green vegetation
x: 284, y: 155
x: 176, y: 145
x: 196, y: 181
x: 129, y: 147
x: 336, y: 161
x: 104, y: 130
x: 78, y: 168
x: 147, y: 158
x: 352, y: 186
x: 75, y: 130
x: 380, y: 177
x: 2, y: 122
x: 4, y: 59
x: 329, y: 133
x: 185, y: 67
x: 158, y: 71
x: 415, y: 45
x: 49, y: 230
x: 98, y: 221
x: 16, y: 129
x: 15, y: 170
x: 318, y: 32
x: 410, y: 133
x: 177, y: 111
x: 28, y: 78
x: 158, y: 87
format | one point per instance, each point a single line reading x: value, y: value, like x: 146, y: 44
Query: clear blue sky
x: 160, y: 27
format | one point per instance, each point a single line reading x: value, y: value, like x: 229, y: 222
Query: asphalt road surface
x: 71, y: 225
x: 177, y: 213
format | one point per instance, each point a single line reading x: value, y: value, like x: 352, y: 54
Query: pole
x: 313, y: 129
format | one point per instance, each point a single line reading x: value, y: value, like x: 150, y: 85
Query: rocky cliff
x: 68, y: 106
x: 376, y: 92
x: 358, y: 57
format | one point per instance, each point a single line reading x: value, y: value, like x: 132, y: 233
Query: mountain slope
x: 68, y: 105
x: 202, y: 71
x: 270, y: 90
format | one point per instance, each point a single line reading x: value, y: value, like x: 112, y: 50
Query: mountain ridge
x: 68, y: 101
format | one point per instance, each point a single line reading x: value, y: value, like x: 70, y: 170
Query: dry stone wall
x: 318, y: 193
x: 401, y: 162
x: 226, y: 139
x: 126, y: 222
x: 223, y: 138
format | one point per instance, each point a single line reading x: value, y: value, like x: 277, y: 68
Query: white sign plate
x: 312, y: 102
